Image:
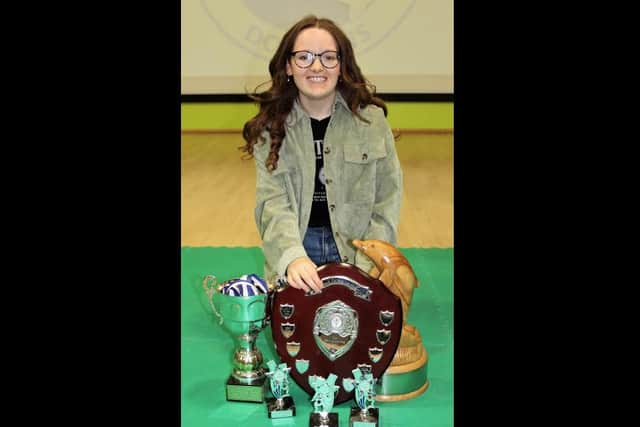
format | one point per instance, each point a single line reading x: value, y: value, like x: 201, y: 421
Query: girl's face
x: 316, y: 82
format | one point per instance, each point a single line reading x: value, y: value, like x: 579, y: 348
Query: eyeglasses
x: 304, y: 58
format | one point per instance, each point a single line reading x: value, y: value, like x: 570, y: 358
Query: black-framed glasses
x: 304, y: 58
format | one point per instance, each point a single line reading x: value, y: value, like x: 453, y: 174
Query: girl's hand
x: 302, y: 274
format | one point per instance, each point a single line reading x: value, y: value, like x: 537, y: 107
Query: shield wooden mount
x: 354, y: 322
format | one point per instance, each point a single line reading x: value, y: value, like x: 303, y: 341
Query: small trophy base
x: 316, y: 420
x: 240, y: 392
x: 357, y: 420
x: 288, y: 408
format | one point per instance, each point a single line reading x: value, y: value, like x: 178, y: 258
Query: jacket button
x: 364, y: 156
x: 337, y: 234
x: 328, y: 181
x: 332, y: 207
x: 345, y: 259
x: 327, y: 150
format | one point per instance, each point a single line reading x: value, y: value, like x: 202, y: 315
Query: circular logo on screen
x: 257, y: 26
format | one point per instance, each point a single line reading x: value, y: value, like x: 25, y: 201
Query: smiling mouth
x: 317, y: 79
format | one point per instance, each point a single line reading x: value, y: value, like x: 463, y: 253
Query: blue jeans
x: 320, y: 246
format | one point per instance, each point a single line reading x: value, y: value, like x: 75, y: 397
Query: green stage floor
x: 206, y: 349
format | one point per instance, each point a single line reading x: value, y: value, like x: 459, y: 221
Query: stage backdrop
x: 402, y: 46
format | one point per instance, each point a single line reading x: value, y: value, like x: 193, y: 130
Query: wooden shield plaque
x: 354, y: 322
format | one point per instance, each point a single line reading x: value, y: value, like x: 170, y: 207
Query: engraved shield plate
x: 375, y: 354
x: 335, y: 328
x: 302, y: 365
x: 287, y: 329
x: 293, y: 348
x: 383, y: 335
x: 386, y: 317
x: 364, y: 368
x: 286, y: 310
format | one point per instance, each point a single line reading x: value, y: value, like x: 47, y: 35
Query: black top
x: 319, y: 211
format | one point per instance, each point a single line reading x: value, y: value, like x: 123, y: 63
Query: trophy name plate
x: 239, y: 392
x: 366, y: 418
x: 282, y: 408
x: 317, y: 420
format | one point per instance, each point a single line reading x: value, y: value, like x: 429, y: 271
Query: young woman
x: 326, y: 165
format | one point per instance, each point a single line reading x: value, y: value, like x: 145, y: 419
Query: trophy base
x: 288, y: 408
x: 240, y: 392
x: 316, y: 420
x: 357, y: 420
x: 405, y: 381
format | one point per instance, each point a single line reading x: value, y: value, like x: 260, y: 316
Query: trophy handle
x: 208, y: 283
x: 268, y: 309
x: 280, y: 283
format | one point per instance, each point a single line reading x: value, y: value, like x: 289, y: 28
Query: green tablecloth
x: 206, y: 349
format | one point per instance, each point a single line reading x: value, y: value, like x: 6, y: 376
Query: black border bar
x: 387, y: 97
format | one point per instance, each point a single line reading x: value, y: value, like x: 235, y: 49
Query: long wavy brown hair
x: 277, y: 101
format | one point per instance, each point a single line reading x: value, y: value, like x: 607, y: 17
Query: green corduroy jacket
x: 363, y: 184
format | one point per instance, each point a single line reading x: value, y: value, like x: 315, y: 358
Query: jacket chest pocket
x: 359, y: 173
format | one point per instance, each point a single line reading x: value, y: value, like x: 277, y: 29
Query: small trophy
x: 325, y: 392
x: 241, y: 310
x: 364, y: 415
x: 281, y: 405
